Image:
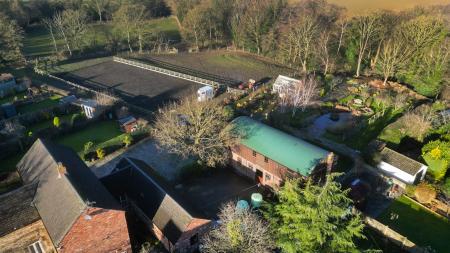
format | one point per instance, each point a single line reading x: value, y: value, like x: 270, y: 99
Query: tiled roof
x: 66, y: 186
x: 150, y: 196
x: 17, y: 210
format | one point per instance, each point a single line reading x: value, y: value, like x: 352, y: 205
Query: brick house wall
x: 189, y: 240
x: 246, y: 162
x: 19, y: 240
x: 98, y: 230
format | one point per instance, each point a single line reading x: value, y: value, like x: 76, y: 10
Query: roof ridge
x: 157, y: 185
x: 64, y: 176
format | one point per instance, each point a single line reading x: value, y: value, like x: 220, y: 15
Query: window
x: 254, y: 153
x: 194, y: 239
x: 250, y: 166
x: 266, y: 159
x: 36, y: 247
x: 267, y: 177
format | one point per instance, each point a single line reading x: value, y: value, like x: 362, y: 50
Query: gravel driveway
x: 166, y: 164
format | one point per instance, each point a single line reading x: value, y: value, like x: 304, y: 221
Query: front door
x: 259, y: 176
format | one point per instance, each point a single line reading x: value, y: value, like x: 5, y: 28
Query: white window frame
x: 36, y: 247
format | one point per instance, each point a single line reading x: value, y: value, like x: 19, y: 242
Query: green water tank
x: 257, y: 200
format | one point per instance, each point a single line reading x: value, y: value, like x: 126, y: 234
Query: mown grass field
x: 38, y: 41
x: 418, y: 224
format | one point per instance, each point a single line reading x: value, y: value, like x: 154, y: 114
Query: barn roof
x: 66, y: 186
x: 292, y: 152
x: 133, y: 179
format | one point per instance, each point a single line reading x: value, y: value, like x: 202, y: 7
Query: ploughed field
x: 143, y: 88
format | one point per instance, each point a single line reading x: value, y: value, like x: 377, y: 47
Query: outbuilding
x: 402, y: 169
x: 128, y: 124
x: 283, y: 84
x: 268, y: 155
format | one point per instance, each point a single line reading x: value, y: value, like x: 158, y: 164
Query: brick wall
x: 277, y: 171
x: 98, y: 230
x: 196, y: 227
x: 19, y: 240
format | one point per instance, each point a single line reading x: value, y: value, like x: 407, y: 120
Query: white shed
x: 401, y: 167
x: 90, y: 107
x: 205, y: 93
x: 283, y: 83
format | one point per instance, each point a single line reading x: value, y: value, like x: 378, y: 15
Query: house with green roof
x: 269, y: 155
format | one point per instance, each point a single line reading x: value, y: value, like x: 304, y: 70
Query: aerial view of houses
x: 224, y: 126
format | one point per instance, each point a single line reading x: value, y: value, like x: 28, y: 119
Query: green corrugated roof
x: 292, y: 152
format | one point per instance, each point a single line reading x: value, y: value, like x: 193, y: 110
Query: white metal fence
x: 168, y: 72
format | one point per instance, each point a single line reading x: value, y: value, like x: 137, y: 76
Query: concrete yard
x: 139, y: 87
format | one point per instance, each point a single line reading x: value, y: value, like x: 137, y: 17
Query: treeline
x: 315, y: 36
x: 69, y: 24
x: 29, y: 12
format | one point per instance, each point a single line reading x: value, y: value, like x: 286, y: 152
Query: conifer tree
x: 317, y: 218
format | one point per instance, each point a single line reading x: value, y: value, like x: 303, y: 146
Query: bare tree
x: 366, y: 28
x: 105, y: 98
x: 71, y: 26
x: 15, y: 130
x: 99, y: 6
x: 48, y: 23
x: 300, y: 95
x: 392, y: 56
x: 240, y: 230
x: 195, y: 129
x: 129, y: 19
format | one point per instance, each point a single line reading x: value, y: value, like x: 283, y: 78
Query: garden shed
x: 283, y: 83
x: 402, y: 169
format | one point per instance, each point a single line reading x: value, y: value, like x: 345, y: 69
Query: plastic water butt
x: 256, y: 200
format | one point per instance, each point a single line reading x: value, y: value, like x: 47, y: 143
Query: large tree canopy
x: 10, y: 41
x: 316, y: 218
x: 195, y: 129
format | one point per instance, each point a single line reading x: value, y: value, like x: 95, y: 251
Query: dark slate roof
x: 127, y: 120
x: 400, y: 161
x: 150, y: 195
x: 17, y: 210
x: 62, y: 194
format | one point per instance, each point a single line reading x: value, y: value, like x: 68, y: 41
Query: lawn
x: 33, y: 107
x: 38, y: 41
x: 418, y: 224
x: 49, y: 123
x: 10, y: 98
x: 97, y: 133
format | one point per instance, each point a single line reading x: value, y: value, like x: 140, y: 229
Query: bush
x: 56, y: 122
x: 425, y: 193
x: 446, y: 187
x: 100, y: 153
x: 127, y: 140
x: 437, y: 155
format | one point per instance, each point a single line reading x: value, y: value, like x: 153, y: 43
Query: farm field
x: 38, y: 41
x: 355, y: 7
x: 137, y: 86
x: 238, y: 66
x: 418, y: 224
